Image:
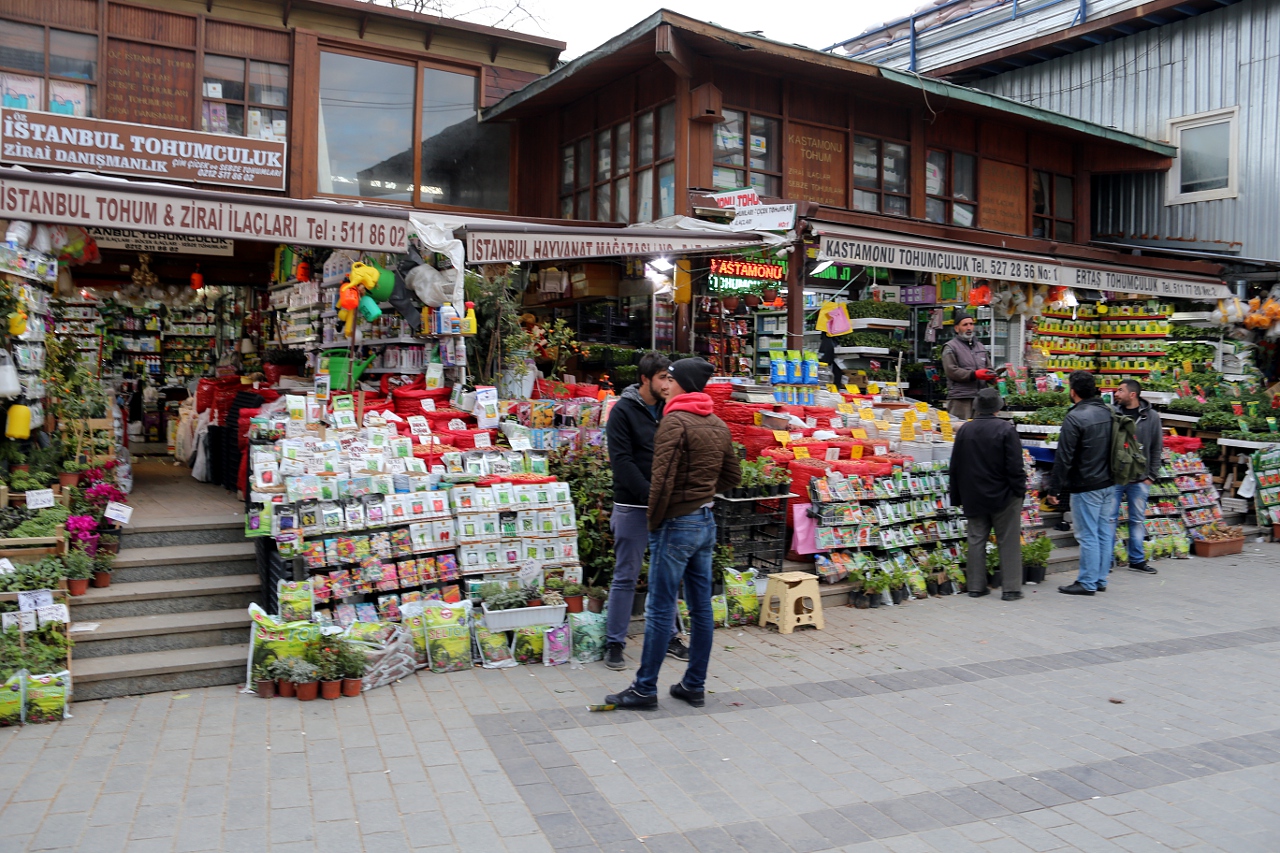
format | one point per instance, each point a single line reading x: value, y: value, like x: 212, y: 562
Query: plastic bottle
x: 469, y: 325
x: 450, y: 322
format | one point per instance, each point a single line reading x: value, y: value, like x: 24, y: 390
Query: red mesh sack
x: 207, y: 389
x: 546, y: 389
x: 1182, y: 443
x: 719, y: 392
x: 464, y: 439
x: 739, y: 413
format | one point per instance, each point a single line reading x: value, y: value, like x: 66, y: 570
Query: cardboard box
x: 594, y: 280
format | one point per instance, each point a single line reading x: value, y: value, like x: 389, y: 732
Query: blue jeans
x: 679, y: 550
x: 1136, y: 495
x: 1095, y: 517
x: 630, y: 526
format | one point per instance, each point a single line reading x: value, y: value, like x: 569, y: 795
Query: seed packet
x: 257, y: 520
x: 556, y: 646
x: 366, y: 613
x: 374, y: 513
x: 528, y: 642
x: 587, y: 631
x: 447, y: 566
x: 389, y: 608
x: 313, y: 554
x: 309, y: 517
x: 428, y: 570
x: 341, y: 584
x: 13, y: 698
x: 492, y: 648
x: 407, y: 572
x: 345, y: 615
x: 47, y: 696
x: 361, y: 547
x: 451, y: 593
x: 448, y: 627
x: 332, y: 518
x: 538, y: 463
x: 380, y: 544
x: 401, y: 542
x: 295, y: 599
x: 320, y: 589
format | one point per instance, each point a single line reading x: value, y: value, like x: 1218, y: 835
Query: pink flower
x: 103, y: 493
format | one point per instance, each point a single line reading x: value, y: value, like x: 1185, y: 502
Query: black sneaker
x: 696, y: 698
x: 1075, y: 589
x: 1062, y: 525
x: 1011, y: 596
x: 1099, y: 589
x: 677, y: 649
x: 629, y: 698
x: 613, y: 657
x: 979, y: 594
x: 1144, y: 568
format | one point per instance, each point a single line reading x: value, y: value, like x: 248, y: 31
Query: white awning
x: 866, y: 247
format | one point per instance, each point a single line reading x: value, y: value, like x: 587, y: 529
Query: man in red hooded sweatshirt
x: 693, y: 459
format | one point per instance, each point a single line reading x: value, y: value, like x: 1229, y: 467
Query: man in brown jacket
x: 693, y: 459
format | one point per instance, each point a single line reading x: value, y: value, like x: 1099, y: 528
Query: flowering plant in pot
x: 108, y: 543
x: 263, y: 682
x: 84, y: 532
x: 77, y: 568
x: 328, y: 664
x: 352, y: 662
x: 573, y: 593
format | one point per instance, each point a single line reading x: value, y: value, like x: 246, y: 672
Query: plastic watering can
x: 343, y: 371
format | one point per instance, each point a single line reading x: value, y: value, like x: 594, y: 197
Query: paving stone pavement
x: 1145, y: 718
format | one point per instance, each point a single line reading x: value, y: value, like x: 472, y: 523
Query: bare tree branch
x: 507, y: 14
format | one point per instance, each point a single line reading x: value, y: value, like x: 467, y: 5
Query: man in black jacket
x: 629, y: 432
x: 989, y: 483
x: 1082, y: 468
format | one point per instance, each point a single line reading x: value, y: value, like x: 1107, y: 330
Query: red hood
x: 692, y: 401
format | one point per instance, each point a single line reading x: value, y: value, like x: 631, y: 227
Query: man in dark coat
x: 968, y: 367
x: 989, y: 483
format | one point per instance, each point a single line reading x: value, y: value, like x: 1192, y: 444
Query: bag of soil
x: 12, y: 699
x: 719, y: 610
x: 47, y: 697
x: 272, y: 638
x: 556, y: 645
x: 296, y: 600
x: 448, y: 635
x: 416, y: 624
x: 588, y: 632
x: 742, y: 602
x: 492, y: 648
x: 527, y: 644
x: 388, y: 653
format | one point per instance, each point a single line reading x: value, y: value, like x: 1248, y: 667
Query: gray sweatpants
x: 1008, y: 527
x: 630, y: 526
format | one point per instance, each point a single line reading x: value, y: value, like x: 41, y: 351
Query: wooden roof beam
x: 672, y: 52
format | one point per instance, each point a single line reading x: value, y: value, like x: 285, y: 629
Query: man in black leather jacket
x: 1082, y: 469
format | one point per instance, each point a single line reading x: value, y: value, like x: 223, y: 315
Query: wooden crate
x: 32, y: 548
x: 61, y: 496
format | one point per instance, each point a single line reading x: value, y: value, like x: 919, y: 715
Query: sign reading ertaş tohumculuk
x: 81, y: 144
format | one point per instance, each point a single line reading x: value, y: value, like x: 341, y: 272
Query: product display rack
x: 1266, y: 501
x: 755, y: 528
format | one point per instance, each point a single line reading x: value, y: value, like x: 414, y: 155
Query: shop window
x: 746, y: 153
x: 1053, y: 207
x: 616, y: 173
x: 47, y: 69
x: 1205, y: 167
x: 951, y: 188
x: 880, y: 170
x: 464, y: 163
x: 245, y: 97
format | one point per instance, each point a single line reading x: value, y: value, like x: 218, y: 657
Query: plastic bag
x: 448, y: 628
x: 587, y: 631
x: 491, y: 648
x: 295, y: 600
x: 388, y: 653
x: 272, y: 638
x: 557, y: 647
x: 742, y: 602
x: 13, y: 695
x: 527, y: 643
x: 47, y: 697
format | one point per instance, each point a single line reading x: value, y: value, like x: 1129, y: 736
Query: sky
x: 585, y: 24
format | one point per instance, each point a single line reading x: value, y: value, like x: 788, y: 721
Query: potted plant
x: 329, y: 670
x: 306, y: 679
x: 281, y: 669
x: 507, y: 599
x: 993, y: 567
x: 874, y: 586
x: 898, y: 586
x: 108, y: 543
x: 752, y: 296
x: 263, y: 683
x: 729, y: 302
x: 77, y: 568
x: 573, y: 593
x: 353, y: 664
x: 532, y: 596
x: 70, y: 473
x: 103, y: 563
x: 552, y: 598
x: 769, y: 291
x: 554, y: 585
x: 956, y: 579
x: 859, y: 595
x: 1035, y: 559
x: 596, y: 596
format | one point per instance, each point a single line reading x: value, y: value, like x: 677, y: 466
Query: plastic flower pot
x: 69, y: 478
x: 266, y: 689
x: 286, y: 689
x: 729, y: 303
x: 534, y: 602
x: 330, y: 689
x: 574, y: 603
x: 1205, y: 548
x: 752, y: 300
x: 595, y: 605
x: 77, y: 586
x: 769, y: 294
x: 352, y: 686
x: 1033, y: 574
x: 307, y: 691
x: 101, y: 580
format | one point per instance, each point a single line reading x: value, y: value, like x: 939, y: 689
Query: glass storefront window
x: 365, y: 127
x: 604, y: 155
x: 622, y: 200
x: 666, y: 131
x: 223, y: 77
x: 644, y: 139
x: 728, y: 147
x: 622, y: 149
x: 644, y: 196
x: 866, y: 162
x: 73, y: 55
x: 464, y: 163
x: 269, y: 84
x: 764, y: 144
x: 22, y: 48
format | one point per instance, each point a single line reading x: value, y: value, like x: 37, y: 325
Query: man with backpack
x: 1082, y: 468
x: 1150, y: 434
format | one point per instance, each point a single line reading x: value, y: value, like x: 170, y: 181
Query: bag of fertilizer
x: 588, y: 631
x: 743, y: 604
x: 12, y: 699
x: 492, y: 648
x: 47, y: 697
x: 556, y: 646
x: 272, y: 638
x: 448, y: 635
x: 296, y: 602
x: 527, y: 644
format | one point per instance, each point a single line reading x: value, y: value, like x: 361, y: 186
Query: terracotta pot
x: 574, y: 603
x: 752, y: 300
x: 769, y: 294
x: 101, y: 580
x: 729, y: 303
x: 1204, y: 548
x: 286, y: 689
x: 534, y: 602
x: 330, y: 689
x: 307, y: 691
x: 16, y: 468
x: 77, y: 586
x: 595, y: 605
x: 113, y: 548
x: 67, y: 478
x: 352, y: 686
x: 266, y: 689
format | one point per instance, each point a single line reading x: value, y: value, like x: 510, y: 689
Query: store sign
x: 498, y: 247
x: 179, y: 244
x: 119, y: 148
x: 764, y: 217
x: 937, y: 259
x: 739, y: 268
x: 113, y: 205
x: 745, y: 197
x: 1133, y: 281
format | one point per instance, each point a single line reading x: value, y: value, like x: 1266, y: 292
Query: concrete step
x: 155, y: 672
x: 169, y: 562
x: 160, y: 632
x: 201, y: 530
x: 182, y: 595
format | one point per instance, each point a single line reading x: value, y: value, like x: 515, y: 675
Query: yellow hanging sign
x: 783, y: 437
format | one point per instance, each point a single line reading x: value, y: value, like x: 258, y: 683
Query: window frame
x: 45, y: 76
x: 746, y: 167
x: 1173, y: 182
x: 879, y: 190
x: 949, y: 198
x: 1051, y: 205
x: 570, y: 192
x: 245, y: 103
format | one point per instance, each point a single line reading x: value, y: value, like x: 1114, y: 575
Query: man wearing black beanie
x: 693, y: 459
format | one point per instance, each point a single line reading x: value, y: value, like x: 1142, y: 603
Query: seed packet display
x: 528, y: 642
x: 492, y: 648
x: 587, y: 632
x: 12, y: 698
x: 296, y: 600
x: 366, y: 612
x: 557, y: 647
x: 47, y: 697
x: 448, y: 628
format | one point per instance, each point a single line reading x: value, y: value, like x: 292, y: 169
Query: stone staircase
x: 175, y: 614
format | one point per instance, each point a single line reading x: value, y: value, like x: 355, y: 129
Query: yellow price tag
x: 908, y: 433
x: 922, y: 407
x: 883, y: 426
x: 783, y: 437
x: 944, y: 417
x: 833, y: 389
x: 860, y: 433
x: 844, y: 408
x: 855, y: 452
x: 909, y: 416
x: 851, y: 388
x: 1186, y: 365
x: 759, y: 419
x: 873, y: 388
x: 801, y: 452
x: 867, y: 414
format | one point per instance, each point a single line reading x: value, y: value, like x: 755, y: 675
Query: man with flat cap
x: 968, y: 367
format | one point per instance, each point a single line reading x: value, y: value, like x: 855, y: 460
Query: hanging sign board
x: 493, y: 247
x: 741, y: 198
x: 179, y: 244
x: 764, y: 217
x: 742, y: 268
x: 1137, y: 281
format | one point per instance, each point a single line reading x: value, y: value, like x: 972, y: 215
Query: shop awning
x: 867, y: 247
